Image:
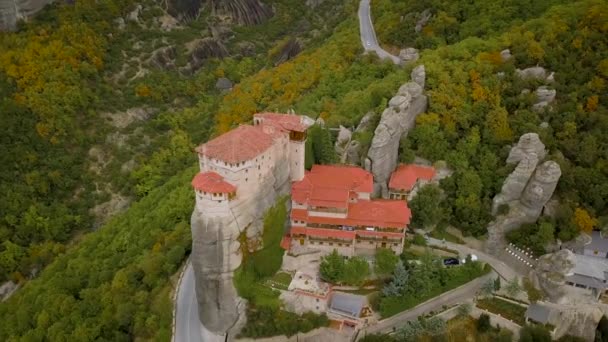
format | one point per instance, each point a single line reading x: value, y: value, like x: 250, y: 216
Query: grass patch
x: 508, y: 310
x: 444, y: 235
x: 280, y: 281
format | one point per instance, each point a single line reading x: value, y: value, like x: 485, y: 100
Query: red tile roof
x: 211, y: 182
x: 406, y: 176
x: 286, y: 122
x: 240, y: 144
x: 373, y: 213
x: 331, y: 185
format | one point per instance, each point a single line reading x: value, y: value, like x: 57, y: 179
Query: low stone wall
x: 320, y: 334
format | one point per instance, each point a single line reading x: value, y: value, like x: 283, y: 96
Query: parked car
x: 451, y: 261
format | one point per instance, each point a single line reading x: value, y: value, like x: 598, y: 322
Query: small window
x: 246, y: 179
x: 258, y: 167
x: 246, y: 170
x: 371, y: 242
x: 321, y: 242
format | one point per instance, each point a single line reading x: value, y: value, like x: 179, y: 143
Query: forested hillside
x: 60, y: 72
x: 101, y: 102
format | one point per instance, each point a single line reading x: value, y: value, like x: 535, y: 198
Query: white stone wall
x: 296, y: 160
x: 364, y: 195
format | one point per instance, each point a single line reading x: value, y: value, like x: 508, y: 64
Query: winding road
x: 187, y: 324
x: 368, y: 34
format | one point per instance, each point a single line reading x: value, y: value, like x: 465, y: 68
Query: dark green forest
x: 62, y: 70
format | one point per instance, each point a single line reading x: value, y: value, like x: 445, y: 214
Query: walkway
x: 368, y: 34
x: 451, y: 297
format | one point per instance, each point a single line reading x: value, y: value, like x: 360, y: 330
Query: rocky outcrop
x: 419, y: 75
x: 544, y: 97
x: 216, y: 249
x: 200, y: 50
x: 11, y: 11
x: 525, y: 191
x: 408, y: 55
x: 396, y: 121
x: 551, y: 271
x: 424, y: 18
x: 342, y: 141
x: 223, y: 84
x: 351, y: 154
x: 163, y: 58
x: 505, y: 55
x: 242, y: 12
x: 289, y: 50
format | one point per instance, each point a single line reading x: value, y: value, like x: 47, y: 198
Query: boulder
x: 163, y: 58
x: 366, y: 122
x: 246, y: 49
x: 505, y: 55
x: 223, y: 84
x: 396, y: 121
x: 168, y: 23
x: 352, y: 155
x: 134, y: 14
x: 537, y: 73
x: 418, y: 75
x: 202, y: 49
x: 409, y: 55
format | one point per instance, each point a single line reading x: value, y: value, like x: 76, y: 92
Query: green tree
x: 426, y: 207
x: 512, y: 288
x: 601, y: 333
x: 332, y: 267
x: 385, y: 262
x: 356, y: 271
x: 483, y: 323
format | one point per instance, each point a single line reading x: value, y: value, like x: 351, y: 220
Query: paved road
x: 457, y: 295
x: 500, y: 267
x: 368, y: 34
x: 188, y: 327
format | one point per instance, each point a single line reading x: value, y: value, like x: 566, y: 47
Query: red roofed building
x: 406, y: 178
x: 332, y: 209
x: 236, y: 165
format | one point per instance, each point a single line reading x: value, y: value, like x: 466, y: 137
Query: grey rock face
x: 216, y: 251
x: 526, y: 190
x: 243, y: 12
x: 527, y: 144
x: 202, y: 49
x: 505, y: 55
x: 551, y: 271
x: 418, y: 75
x: 223, y: 84
x: 538, y: 73
x: 12, y: 11
x: 291, y: 49
x: 409, y: 55
x: 352, y: 151
x: 343, y: 139
x: 396, y: 121
x: 424, y: 18
x: 544, y: 97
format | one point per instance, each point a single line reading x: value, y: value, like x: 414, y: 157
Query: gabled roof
x: 541, y: 313
x: 285, y: 122
x: 212, y: 182
x: 331, y: 185
x: 240, y: 144
x: 406, y: 176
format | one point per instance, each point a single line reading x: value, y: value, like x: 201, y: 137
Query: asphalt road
x: 499, y: 267
x: 457, y: 295
x: 368, y: 35
x: 187, y: 326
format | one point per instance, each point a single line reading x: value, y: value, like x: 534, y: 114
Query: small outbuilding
x: 347, y: 305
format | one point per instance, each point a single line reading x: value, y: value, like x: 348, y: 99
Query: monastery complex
x: 331, y: 205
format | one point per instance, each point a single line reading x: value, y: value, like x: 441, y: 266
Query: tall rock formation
x: 216, y: 249
x: 526, y: 190
x: 396, y: 121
